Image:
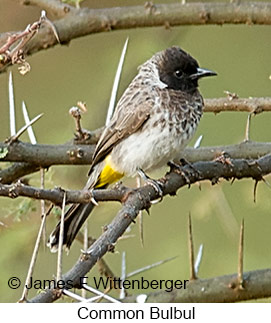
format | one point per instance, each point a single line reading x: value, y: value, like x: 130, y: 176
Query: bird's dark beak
x: 202, y: 72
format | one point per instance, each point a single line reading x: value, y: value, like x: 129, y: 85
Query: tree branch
x: 16, y: 171
x: 80, y: 22
x: 48, y: 155
x: 223, y: 289
x: 32, y: 157
x: 53, y: 7
x: 208, y: 170
x: 39, y: 155
x: 138, y: 199
x: 252, y: 105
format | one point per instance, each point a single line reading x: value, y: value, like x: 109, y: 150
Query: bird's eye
x: 178, y: 74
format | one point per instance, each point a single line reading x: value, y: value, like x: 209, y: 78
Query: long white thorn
x: 30, y: 131
x: 12, y: 121
x: 97, y: 292
x: 114, y: 91
x: 73, y: 295
x: 123, y: 274
x: 198, y: 259
x: 198, y: 142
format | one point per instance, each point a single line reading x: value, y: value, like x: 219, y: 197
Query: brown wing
x: 131, y: 113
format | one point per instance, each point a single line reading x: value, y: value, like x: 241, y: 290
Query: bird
x: 153, y: 122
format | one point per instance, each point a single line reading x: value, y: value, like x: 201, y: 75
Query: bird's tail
x: 74, y: 218
x: 101, y: 176
x: 76, y: 215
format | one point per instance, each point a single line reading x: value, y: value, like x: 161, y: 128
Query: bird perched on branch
x: 153, y: 121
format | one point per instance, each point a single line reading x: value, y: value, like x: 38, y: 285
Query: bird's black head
x: 180, y: 71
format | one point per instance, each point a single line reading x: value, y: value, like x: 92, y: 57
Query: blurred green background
x: 84, y: 70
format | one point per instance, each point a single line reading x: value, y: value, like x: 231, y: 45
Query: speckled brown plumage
x: 154, y: 120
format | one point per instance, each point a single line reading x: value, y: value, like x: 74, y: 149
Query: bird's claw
x: 154, y: 183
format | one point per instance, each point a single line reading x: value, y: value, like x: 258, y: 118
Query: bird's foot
x: 157, y: 185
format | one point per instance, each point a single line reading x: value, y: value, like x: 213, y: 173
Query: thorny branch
x: 138, y: 199
x: 29, y: 158
x: 16, y: 171
x: 252, y: 105
x: 74, y: 23
x: 223, y: 289
x: 203, y: 170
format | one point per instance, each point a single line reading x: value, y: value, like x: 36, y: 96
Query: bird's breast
x: 162, y: 138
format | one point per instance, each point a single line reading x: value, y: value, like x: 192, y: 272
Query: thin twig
x: 34, y: 257
x: 75, y: 112
x: 60, y: 243
x: 13, y: 50
x: 247, y: 133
